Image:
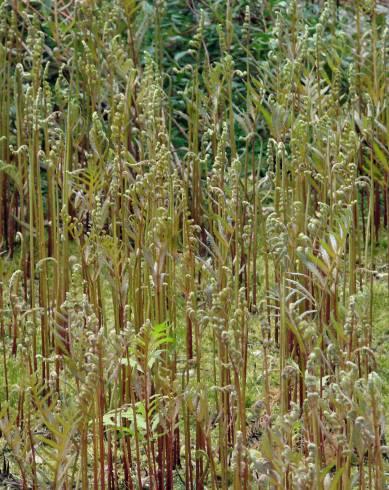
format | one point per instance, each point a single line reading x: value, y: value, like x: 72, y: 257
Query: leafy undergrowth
x: 194, y: 219
x: 381, y: 341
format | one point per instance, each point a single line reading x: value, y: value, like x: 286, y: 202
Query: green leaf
x: 266, y: 116
x: 381, y: 156
x: 336, y: 479
x: 13, y: 173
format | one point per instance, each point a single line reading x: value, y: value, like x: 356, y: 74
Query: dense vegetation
x: 194, y: 226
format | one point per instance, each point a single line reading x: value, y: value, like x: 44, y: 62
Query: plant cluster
x: 194, y: 223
